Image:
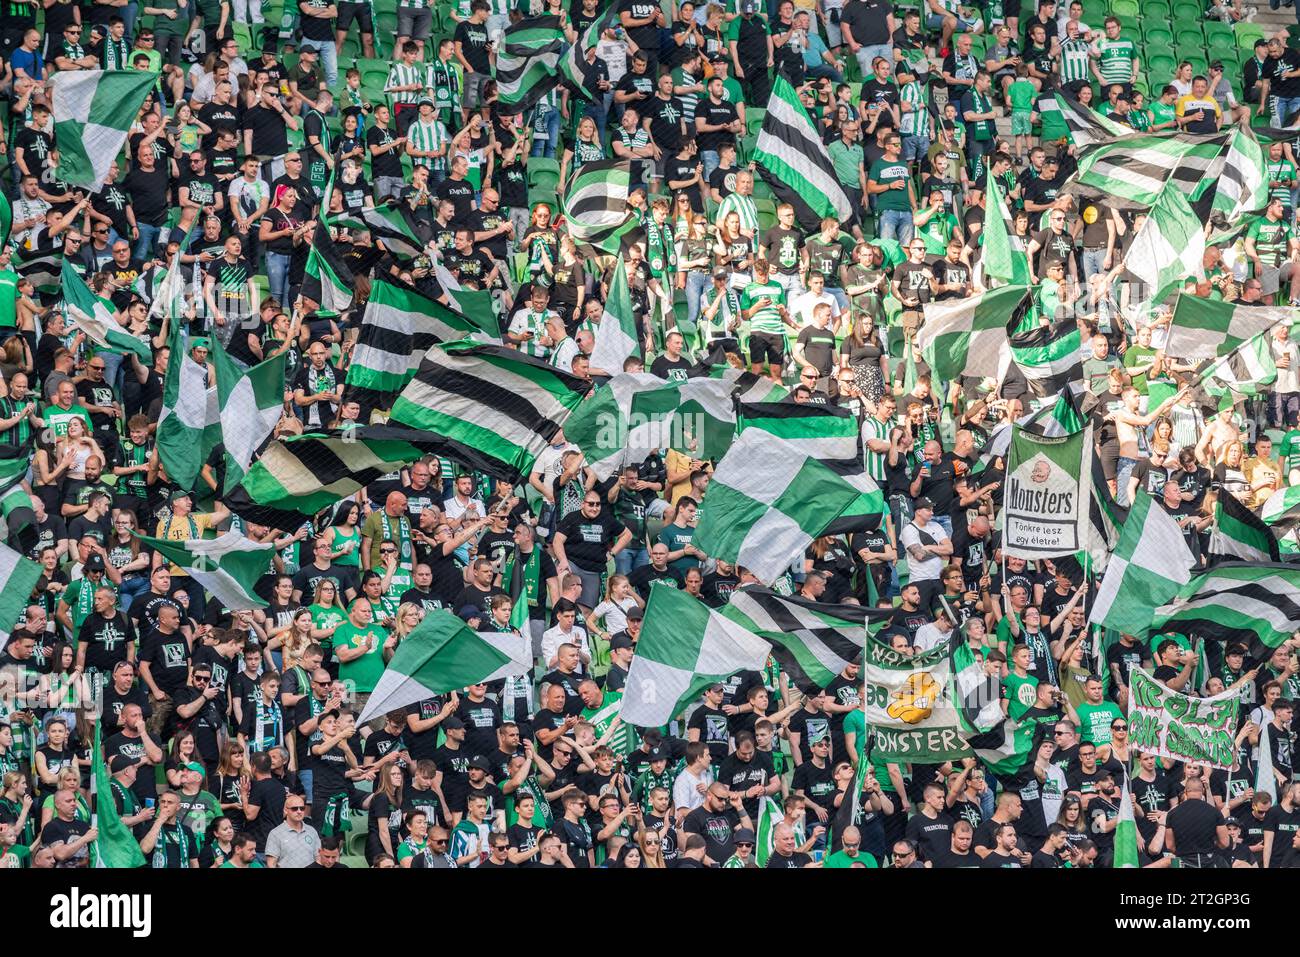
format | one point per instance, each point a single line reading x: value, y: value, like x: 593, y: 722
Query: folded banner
x: 1049, y: 482
x: 1171, y: 724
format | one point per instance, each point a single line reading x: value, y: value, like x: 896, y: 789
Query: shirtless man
x: 1127, y: 422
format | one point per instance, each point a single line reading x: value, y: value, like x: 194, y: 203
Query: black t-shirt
x: 645, y: 37
x: 1194, y: 824
x: 106, y: 640
x: 674, y: 370
x: 148, y: 191
x: 714, y: 731
x: 817, y: 784
x: 473, y: 38
x: 933, y: 837
x: 460, y: 193
x: 269, y: 796
x: 587, y: 541
x: 717, y: 829
x: 572, y: 701
x: 715, y: 114
x: 914, y: 280
x: 481, y: 719
x: 796, y: 860
x: 868, y: 21
x: 388, y: 163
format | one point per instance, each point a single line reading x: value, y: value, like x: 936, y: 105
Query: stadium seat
x: 1189, y: 34
x: 547, y: 197
x: 1247, y: 34
x: 1124, y: 8
x: 543, y: 173
x: 1188, y: 11
x: 762, y: 190
x: 1158, y: 35
x: 1156, y: 8
x: 766, y: 212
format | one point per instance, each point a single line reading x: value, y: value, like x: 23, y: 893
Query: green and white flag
x: 596, y: 210
x: 822, y: 431
x: 95, y: 318
x: 1256, y: 604
x: 251, y: 403
x: 813, y: 642
x: 390, y: 224
x: 793, y: 161
x: 768, y: 501
x: 399, y: 326
x: 1210, y: 329
x: 227, y: 567
x: 442, y: 655
x: 18, y: 576
x: 684, y: 647
x: 326, y: 280
x: 1047, y: 493
x: 1126, y: 834
x: 1265, y: 779
x: 1048, y: 357
x: 969, y: 336
x: 909, y: 705
x: 616, y: 336
x: 190, y: 422
x: 1238, y: 533
x: 93, y: 111
x: 770, y: 814
x: 528, y: 61
x: 1134, y: 169
x: 115, y: 846
x: 1007, y: 748
x: 496, y: 408
x: 1169, y: 248
x: 1282, y: 510
x: 1244, y: 371
x: 1005, y: 257
x: 1149, y: 565
x: 634, y: 414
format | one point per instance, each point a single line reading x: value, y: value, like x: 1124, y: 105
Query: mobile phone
x: 148, y: 802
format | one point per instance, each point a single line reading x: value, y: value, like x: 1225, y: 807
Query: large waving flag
x: 93, y: 112
x: 1254, y: 603
x: 793, y: 161
x: 969, y: 336
x: 1210, y: 329
x: 616, y: 336
x: 228, y: 566
x: 684, y: 647
x: 768, y: 501
x: 251, y: 403
x: 115, y: 846
x: 94, y: 317
x: 527, y: 62
x: 495, y: 407
x: 190, y: 422
x: 1149, y: 565
x: 595, y: 208
x: 1005, y: 257
x: 442, y: 655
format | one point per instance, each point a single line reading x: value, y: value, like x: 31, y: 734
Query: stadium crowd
x: 231, y: 737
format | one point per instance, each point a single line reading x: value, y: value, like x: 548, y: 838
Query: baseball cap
x: 636, y: 614
x: 720, y: 274
x: 744, y: 836
x: 924, y: 502
x: 95, y: 563
x: 193, y: 766
x: 658, y: 754
x: 179, y: 494
x: 470, y: 611
x: 119, y: 762
x: 480, y: 762
x: 452, y: 723
x: 620, y: 639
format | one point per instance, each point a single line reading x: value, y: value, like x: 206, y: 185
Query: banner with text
x: 909, y: 706
x: 1049, y: 485
x: 1171, y: 724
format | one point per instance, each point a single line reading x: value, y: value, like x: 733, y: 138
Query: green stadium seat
x: 543, y: 173
x: 1247, y: 34
x: 1156, y: 8
x: 547, y: 197
x: 1189, y: 34
x: 1124, y: 8
x: 1188, y: 11
x: 1158, y: 35
x: 766, y: 212
x: 1129, y: 26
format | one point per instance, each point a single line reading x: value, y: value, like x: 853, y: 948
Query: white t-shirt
x: 929, y: 636
x: 930, y: 568
x: 453, y: 508
x: 685, y: 793
x: 552, y: 638
x: 804, y: 303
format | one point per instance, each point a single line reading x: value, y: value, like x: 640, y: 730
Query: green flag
x: 228, y: 566
x: 93, y: 111
x: 116, y: 845
x: 251, y: 403
x: 190, y: 422
x: 1005, y: 258
x: 616, y: 336
x: 443, y: 654
x: 94, y: 317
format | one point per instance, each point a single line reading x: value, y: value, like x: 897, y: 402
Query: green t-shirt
x: 326, y: 616
x: 1160, y: 112
x: 165, y: 26
x: 936, y: 233
x: 1283, y: 169
x: 841, y: 860
x: 250, y: 865
x: 1095, y: 719
x: 767, y: 319
x: 1022, y: 95
x: 363, y: 672
x: 1271, y: 239
x: 1134, y: 356
x: 1020, y: 694
x: 1289, y: 449
x: 677, y: 537
x: 57, y: 419
x: 883, y: 173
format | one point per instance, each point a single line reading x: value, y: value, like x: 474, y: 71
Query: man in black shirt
x: 457, y: 190
x: 642, y: 19
x: 1194, y: 830
x: 716, y: 123
x: 147, y: 185
x: 663, y: 117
